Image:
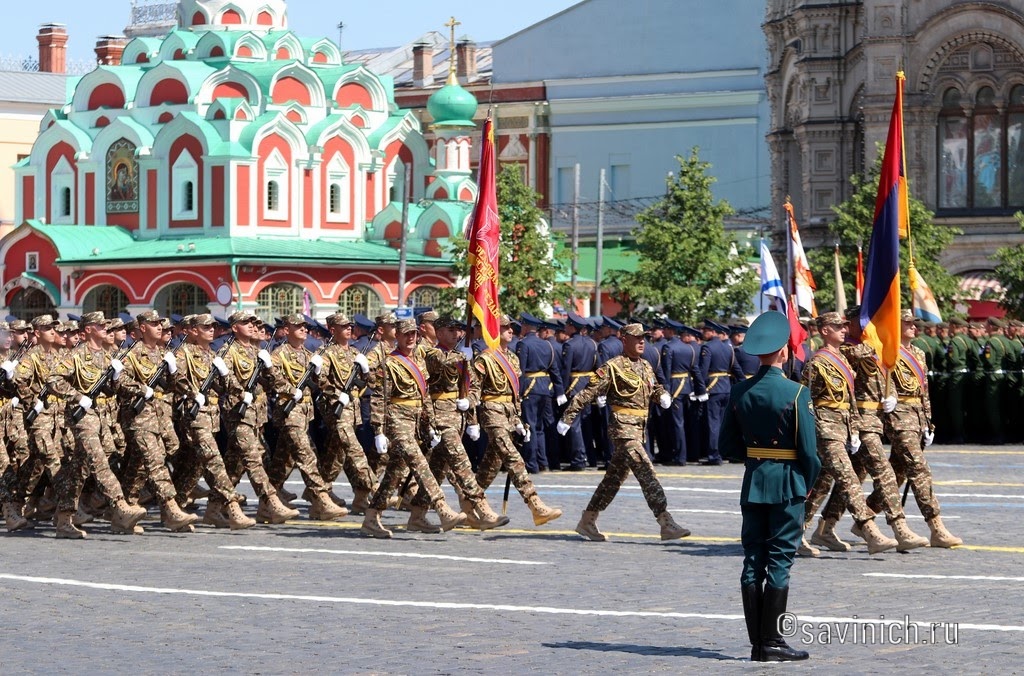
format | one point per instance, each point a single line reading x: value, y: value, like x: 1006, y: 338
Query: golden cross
x: 452, y: 23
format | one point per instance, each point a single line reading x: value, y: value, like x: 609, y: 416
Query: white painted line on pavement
x: 409, y: 555
x: 980, y: 495
x: 544, y: 610
x: 628, y: 487
x: 993, y: 578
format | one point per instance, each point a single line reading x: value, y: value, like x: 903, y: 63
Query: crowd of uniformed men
x: 102, y: 415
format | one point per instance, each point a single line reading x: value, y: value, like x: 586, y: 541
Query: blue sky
x: 366, y: 23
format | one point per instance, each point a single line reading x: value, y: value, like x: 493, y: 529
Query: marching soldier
x: 14, y: 451
x: 627, y: 385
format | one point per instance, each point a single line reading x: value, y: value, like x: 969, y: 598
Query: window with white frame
x: 275, y: 175
x: 339, y: 191
x: 62, y: 199
x: 184, y: 177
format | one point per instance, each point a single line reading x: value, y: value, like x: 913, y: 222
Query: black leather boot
x: 751, y: 594
x: 773, y: 647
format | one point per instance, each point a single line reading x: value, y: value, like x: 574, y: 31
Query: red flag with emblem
x: 484, y: 237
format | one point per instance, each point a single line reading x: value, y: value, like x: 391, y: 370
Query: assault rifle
x: 304, y: 381
x: 351, y: 380
x: 250, y: 387
x: 77, y: 413
x: 190, y: 407
x: 161, y: 369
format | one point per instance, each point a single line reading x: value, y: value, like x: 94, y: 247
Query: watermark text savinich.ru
x: 857, y: 631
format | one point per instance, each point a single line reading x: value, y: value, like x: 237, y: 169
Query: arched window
x: 188, y: 202
x: 181, y: 299
x: 275, y: 173
x: 278, y: 300
x: 360, y: 298
x: 28, y: 304
x: 273, y: 196
x: 184, y: 176
x: 425, y: 296
x: 65, y: 202
x: 338, y: 203
x: 107, y: 299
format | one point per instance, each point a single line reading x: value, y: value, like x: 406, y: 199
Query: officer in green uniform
x: 769, y: 424
x: 993, y: 351
x: 976, y: 384
x: 1014, y: 364
x: 957, y: 377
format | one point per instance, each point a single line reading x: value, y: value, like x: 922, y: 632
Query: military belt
x: 869, y: 405
x: 100, y: 400
x: 51, y: 398
x: 158, y: 395
x: 498, y: 398
x: 582, y: 374
x: 838, y: 405
x: 680, y: 375
x: 212, y: 399
x: 411, y: 403
x: 436, y: 396
x: 638, y: 412
x: 718, y: 374
x: 771, y: 453
x: 910, y: 400
x: 536, y: 374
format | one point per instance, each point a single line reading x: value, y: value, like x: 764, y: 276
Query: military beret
x: 767, y: 334
x: 406, y: 326
x: 386, y: 318
x: 148, y: 316
x: 338, y: 319
x: 635, y: 329
x: 831, y: 319
x: 204, y: 319
x: 428, y: 316
x: 93, y: 318
x: 45, y: 322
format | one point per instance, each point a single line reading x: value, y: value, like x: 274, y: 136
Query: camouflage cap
x: 294, y: 319
x: 241, y: 317
x: 449, y: 322
x: 165, y: 324
x: 148, y: 316
x: 205, y: 319
x: 115, y: 324
x: 907, y: 315
x: 406, y: 326
x: 830, y: 319
x: 428, y: 316
x: 70, y: 326
x: 20, y: 325
x: 5, y: 326
x: 93, y: 318
x: 386, y: 318
x: 635, y: 330
x: 338, y: 319
x: 185, y: 321
x: 45, y: 322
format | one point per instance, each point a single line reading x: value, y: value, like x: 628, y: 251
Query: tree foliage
x: 853, y: 223
x: 686, y: 268
x: 531, y: 260
x: 1010, y: 273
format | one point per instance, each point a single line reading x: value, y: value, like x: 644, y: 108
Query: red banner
x: 484, y: 236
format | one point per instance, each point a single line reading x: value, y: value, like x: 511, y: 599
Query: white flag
x: 771, y: 283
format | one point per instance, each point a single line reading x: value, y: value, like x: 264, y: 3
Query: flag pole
x: 790, y: 283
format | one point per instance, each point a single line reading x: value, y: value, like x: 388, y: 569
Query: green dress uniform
x: 769, y: 424
x: 957, y: 375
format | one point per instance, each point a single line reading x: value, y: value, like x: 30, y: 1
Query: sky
x: 366, y: 25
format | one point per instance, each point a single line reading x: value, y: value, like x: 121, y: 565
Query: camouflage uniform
x: 343, y: 448
x: 30, y: 379
x: 631, y: 388
x: 14, y: 448
x: 245, y: 443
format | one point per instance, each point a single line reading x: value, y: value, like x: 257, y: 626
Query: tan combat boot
x: 825, y: 536
x: 66, y: 528
x: 940, y: 536
x: 198, y: 493
x: 670, y: 530
x: 214, y: 515
x: 877, y: 542
x: 485, y: 517
x: 449, y: 517
x: 236, y: 519
x: 467, y: 508
x: 272, y: 510
x: 805, y: 549
x: 81, y: 517
x: 175, y: 519
x: 15, y: 521
x: 285, y: 495
x: 541, y: 512
x: 907, y: 538
x: 372, y: 527
x: 587, y: 527
x: 419, y: 523
x: 322, y: 509
x: 361, y: 501
x: 124, y: 518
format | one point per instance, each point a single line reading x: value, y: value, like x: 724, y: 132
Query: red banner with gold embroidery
x: 484, y: 237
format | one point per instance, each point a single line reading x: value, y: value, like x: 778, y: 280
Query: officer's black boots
x: 773, y: 646
x: 751, y: 594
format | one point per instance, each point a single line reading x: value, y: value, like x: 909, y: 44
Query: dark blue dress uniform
x: 718, y: 364
x: 680, y: 362
x: 769, y: 424
x: 652, y: 355
x: 607, y: 349
x: 579, y: 361
x: 540, y: 383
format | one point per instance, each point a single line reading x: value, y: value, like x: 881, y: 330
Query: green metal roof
x: 78, y: 242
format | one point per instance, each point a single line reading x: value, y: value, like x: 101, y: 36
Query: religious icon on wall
x: 122, y: 173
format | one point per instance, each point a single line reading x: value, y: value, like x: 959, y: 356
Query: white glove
x: 562, y: 428
x: 200, y: 399
x: 247, y: 398
x: 703, y: 397
x: 473, y: 432
x: 172, y: 362
x: 561, y: 399
x: 380, y: 442
x: 601, y: 400
x: 221, y: 367
x: 344, y: 399
x: 148, y: 394
x: 118, y: 367
x: 317, y: 362
x: 435, y: 438
x: 360, y: 359
x: 8, y: 367
x: 462, y: 404
x: 14, y: 402
x: 693, y: 396
x: 928, y: 438
x: 265, y: 358
x: 888, y: 404
x: 520, y: 430
x: 85, y: 402
x: 297, y: 394
x: 39, y: 406
x: 853, y: 445
x: 527, y: 436
x: 665, y: 400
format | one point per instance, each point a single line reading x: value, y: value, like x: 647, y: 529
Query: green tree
x: 853, y: 223
x: 1010, y: 273
x: 531, y: 256
x: 686, y: 268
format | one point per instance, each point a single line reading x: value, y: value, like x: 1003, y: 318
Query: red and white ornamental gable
x: 235, y: 164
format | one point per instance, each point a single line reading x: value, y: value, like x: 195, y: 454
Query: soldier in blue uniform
x: 718, y: 364
x: 748, y: 363
x: 652, y: 355
x: 579, y: 361
x: 609, y: 347
x: 541, y: 382
x: 680, y: 361
x: 769, y: 424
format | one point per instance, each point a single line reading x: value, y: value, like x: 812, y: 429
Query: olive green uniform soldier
x: 769, y: 424
x: 1013, y: 402
x: 993, y: 351
x: 628, y: 385
x: 976, y: 413
x: 957, y: 379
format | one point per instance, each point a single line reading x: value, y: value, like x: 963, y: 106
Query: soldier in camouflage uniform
x: 401, y: 415
x: 830, y: 380
x: 290, y: 361
x: 872, y: 403
x: 199, y: 454
x: 628, y: 385
x: 152, y: 437
x: 341, y: 414
x: 74, y: 380
x: 14, y: 450
x: 245, y: 441
x: 909, y: 429
x: 494, y: 392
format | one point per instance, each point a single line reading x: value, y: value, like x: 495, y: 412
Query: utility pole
x: 341, y: 31
x: 575, y: 225
x: 599, y: 272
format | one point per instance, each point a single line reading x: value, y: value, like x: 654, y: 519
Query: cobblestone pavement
x: 311, y: 595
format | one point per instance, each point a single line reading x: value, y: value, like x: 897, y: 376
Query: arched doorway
x: 107, y: 299
x: 360, y: 299
x: 28, y: 304
x: 278, y: 300
x: 181, y: 299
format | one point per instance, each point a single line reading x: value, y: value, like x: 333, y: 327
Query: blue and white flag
x: 771, y: 283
